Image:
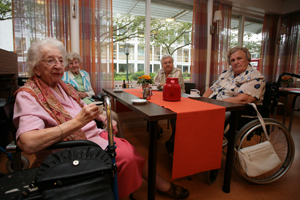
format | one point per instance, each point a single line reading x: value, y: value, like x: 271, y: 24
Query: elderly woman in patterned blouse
x: 168, y: 70
x: 240, y: 83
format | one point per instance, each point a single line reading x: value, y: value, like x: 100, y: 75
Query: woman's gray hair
x: 166, y: 56
x: 235, y: 49
x: 72, y: 56
x: 35, y: 54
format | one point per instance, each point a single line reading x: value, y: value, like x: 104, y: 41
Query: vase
x: 145, y: 85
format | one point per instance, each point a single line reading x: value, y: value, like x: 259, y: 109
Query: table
x: 286, y: 92
x: 152, y: 113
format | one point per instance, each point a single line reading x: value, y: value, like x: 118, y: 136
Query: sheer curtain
x: 96, y: 46
x: 199, y: 44
x: 35, y: 20
x: 289, y: 47
x: 268, y: 46
x: 220, y: 43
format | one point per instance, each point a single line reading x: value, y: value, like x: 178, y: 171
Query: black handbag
x: 83, y: 172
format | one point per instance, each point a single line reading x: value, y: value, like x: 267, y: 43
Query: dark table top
x: 153, y: 112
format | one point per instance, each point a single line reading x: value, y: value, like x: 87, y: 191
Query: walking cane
x: 111, y: 145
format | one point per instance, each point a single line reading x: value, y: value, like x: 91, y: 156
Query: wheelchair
x: 14, y: 185
x: 251, y: 133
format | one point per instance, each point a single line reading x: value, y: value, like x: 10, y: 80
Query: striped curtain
x: 96, y: 48
x: 220, y: 43
x: 268, y: 46
x: 199, y: 44
x: 35, y: 20
x: 289, y: 48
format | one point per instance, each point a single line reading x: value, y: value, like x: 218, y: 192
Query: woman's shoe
x: 177, y: 192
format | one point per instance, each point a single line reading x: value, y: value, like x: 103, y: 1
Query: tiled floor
x: 288, y: 187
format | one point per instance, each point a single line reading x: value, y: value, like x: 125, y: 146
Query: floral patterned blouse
x: 160, y: 77
x: 250, y: 82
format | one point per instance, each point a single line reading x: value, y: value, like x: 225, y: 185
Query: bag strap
x: 261, y: 120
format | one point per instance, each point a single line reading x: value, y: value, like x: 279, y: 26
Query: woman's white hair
x: 166, y: 56
x: 70, y: 57
x: 35, y: 53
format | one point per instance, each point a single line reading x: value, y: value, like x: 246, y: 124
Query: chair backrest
x: 6, y: 125
x: 189, y: 86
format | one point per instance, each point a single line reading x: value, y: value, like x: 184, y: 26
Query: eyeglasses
x: 52, y: 61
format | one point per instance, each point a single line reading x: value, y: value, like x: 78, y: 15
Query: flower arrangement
x: 287, y: 79
x: 144, y: 80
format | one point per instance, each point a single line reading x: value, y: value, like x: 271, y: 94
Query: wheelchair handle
x: 286, y: 73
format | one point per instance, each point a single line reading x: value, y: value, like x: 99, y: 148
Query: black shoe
x: 177, y: 192
x: 170, y: 146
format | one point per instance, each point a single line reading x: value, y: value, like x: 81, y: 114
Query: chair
x: 13, y: 184
x: 189, y: 86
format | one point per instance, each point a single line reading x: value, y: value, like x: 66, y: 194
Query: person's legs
x: 165, y: 187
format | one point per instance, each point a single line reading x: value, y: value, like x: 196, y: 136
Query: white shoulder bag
x: 260, y: 158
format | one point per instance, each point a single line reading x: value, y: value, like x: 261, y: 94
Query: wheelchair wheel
x: 251, y: 134
x: 25, y: 164
x: 211, y: 176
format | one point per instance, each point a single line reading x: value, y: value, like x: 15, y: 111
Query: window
x: 115, y: 51
x: 141, y: 52
x: 141, y: 67
x: 186, y: 55
x: 156, y: 53
x: 156, y: 68
x: 122, y: 55
x: 179, y: 55
x: 252, y: 35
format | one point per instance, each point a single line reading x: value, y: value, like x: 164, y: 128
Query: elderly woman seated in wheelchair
x: 241, y: 83
x: 48, y: 111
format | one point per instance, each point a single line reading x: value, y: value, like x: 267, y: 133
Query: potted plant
x: 286, y: 81
x: 145, y: 80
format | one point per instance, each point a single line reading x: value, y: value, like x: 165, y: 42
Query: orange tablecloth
x: 199, y: 133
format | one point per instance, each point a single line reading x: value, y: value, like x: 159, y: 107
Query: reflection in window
x: 141, y: 67
x: 179, y: 67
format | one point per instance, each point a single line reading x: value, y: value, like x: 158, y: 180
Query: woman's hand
x: 82, y: 95
x: 114, y: 126
x: 87, y: 114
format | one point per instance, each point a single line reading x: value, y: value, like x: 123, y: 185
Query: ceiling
x: 180, y: 11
